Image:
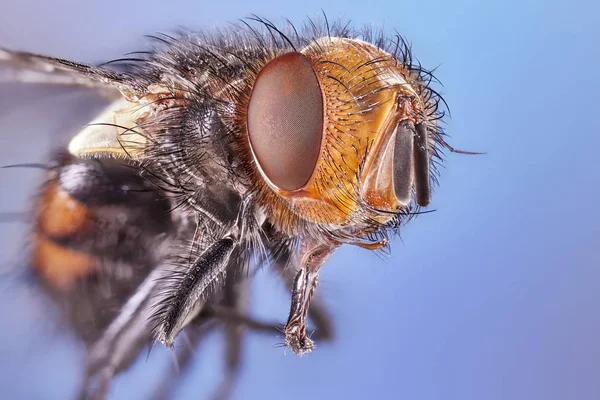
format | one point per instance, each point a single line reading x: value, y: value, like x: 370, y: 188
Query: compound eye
x: 285, y: 120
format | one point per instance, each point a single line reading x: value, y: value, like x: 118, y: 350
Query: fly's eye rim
x: 285, y: 121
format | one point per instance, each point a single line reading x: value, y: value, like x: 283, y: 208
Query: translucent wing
x: 16, y: 66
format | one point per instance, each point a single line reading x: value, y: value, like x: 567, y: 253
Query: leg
x: 195, y: 332
x: 236, y: 299
x: 231, y: 313
x: 297, y: 281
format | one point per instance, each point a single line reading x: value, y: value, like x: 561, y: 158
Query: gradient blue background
x: 493, y: 296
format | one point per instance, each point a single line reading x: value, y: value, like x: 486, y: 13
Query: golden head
x: 339, y: 133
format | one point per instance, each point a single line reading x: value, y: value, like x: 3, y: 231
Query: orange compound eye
x: 285, y: 120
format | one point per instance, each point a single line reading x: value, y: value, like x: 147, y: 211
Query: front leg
x: 312, y: 257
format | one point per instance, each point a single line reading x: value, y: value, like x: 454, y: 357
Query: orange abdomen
x: 61, y: 222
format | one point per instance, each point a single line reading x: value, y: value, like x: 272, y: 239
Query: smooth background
x: 493, y: 296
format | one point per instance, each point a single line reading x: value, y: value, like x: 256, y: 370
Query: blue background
x: 493, y: 296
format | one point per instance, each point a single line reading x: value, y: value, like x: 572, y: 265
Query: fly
x: 220, y: 152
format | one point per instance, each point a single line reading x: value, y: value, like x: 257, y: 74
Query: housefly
x: 219, y: 152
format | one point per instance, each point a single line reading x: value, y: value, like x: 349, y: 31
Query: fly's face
x: 338, y: 133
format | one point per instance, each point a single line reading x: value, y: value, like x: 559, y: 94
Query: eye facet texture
x: 285, y: 120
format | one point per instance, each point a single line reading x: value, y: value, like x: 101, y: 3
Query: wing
x: 17, y: 66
